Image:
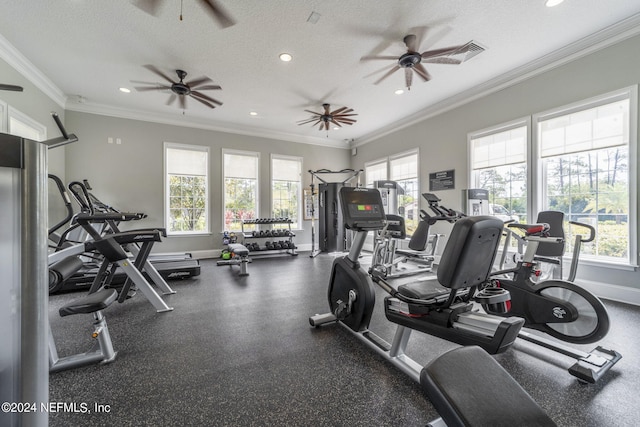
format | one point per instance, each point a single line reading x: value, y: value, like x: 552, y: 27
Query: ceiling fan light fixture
x: 285, y: 57
x: 552, y: 3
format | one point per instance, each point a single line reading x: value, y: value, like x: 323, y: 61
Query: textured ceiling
x: 88, y: 49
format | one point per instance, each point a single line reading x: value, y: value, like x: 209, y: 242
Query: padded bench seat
x: 91, y: 303
x: 469, y: 388
x: 238, y: 249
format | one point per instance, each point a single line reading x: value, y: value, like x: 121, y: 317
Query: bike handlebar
x: 592, y: 231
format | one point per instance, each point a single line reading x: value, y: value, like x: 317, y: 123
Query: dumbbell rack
x: 269, y: 236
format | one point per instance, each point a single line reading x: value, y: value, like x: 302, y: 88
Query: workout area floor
x: 239, y: 351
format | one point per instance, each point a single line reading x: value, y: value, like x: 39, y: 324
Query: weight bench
x: 239, y: 256
x: 469, y: 388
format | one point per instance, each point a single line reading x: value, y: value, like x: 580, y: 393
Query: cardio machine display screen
x: 360, y: 206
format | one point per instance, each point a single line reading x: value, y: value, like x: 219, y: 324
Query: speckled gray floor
x: 240, y: 352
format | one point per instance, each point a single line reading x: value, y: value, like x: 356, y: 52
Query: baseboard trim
x: 624, y: 294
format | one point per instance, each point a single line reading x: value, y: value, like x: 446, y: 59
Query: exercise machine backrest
x: 556, y: 229
x: 420, y: 237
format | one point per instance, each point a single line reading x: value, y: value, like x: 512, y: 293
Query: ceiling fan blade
x: 387, y: 74
x: 171, y: 99
x: 157, y: 71
x: 422, y: 72
x: 196, y: 82
x: 385, y: 57
x: 208, y: 104
x: 440, y: 52
x: 218, y: 12
x: 13, y: 88
x: 442, y: 60
x: 410, y: 41
x: 408, y: 77
x: 338, y: 111
x: 348, y: 123
x: 150, y: 88
x: 183, y: 102
x: 305, y: 121
x: 208, y: 87
x: 335, y: 123
x: 326, y: 125
x: 148, y: 6
x: 313, y: 112
x: 197, y: 94
x: 346, y: 120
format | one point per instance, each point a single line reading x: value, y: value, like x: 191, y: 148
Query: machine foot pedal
x: 594, y: 365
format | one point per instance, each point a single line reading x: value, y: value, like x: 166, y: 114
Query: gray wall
x: 129, y: 176
x: 442, y: 139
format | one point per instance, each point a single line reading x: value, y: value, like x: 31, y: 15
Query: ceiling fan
x: 339, y: 117
x: 183, y: 89
x: 11, y: 87
x: 212, y: 6
x: 412, y: 60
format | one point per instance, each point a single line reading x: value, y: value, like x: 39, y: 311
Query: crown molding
x: 609, y: 36
x: 122, y: 113
x: 29, y: 71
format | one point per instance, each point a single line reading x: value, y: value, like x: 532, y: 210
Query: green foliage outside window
x: 187, y: 204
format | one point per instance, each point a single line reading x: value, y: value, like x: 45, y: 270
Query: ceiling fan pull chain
x: 181, y: 10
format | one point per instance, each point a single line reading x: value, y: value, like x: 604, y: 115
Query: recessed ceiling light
x: 551, y: 3
x: 253, y: 113
x: 285, y: 57
x: 125, y: 90
x: 399, y: 92
x: 336, y: 128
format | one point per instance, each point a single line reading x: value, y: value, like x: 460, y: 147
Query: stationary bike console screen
x: 362, y: 208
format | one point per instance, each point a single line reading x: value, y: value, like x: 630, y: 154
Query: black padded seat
x: 467, y: 257
x: 238, y: 249
x: 91, y: 303
x: 469, y: 388
x: 424, y: 290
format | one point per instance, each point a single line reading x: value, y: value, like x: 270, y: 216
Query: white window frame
x: 503, y: 127
x: 255, y: 154
x: 37, y: 127
x: 367, y: 165
x: 631, y: 93
x: 413, y: 152
x: 298, y: 219
x: 167, y: 205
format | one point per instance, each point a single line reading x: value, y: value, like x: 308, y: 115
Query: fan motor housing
x: 180, y: 89
x: 409, y: 59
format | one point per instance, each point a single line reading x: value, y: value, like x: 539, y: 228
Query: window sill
x: 199, y: 234
x: 603, y: 264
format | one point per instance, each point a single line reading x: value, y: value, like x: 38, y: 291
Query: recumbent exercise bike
x: 442, y: 307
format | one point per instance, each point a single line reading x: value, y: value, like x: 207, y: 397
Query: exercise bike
x: 442, y: 307
x: 557, y: 307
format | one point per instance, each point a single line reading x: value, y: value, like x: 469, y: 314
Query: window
x: 499, y: 165
x: 403, y: 169
x: 286, y: 185
x: 375, y: 171
x: 240, y: 179
x: 186, y: 189
x: 585, y: 158
x: 24, y: 126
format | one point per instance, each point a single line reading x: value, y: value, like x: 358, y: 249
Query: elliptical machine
x: 442, y: 307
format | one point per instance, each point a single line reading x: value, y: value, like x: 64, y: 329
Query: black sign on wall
x: 444, y: 180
